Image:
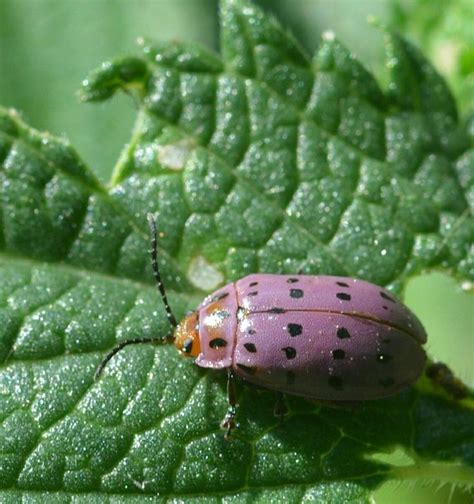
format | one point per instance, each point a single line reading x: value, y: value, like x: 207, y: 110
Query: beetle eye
x: 187, y: 345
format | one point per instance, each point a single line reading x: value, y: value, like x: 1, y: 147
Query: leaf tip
x: 126, y: 73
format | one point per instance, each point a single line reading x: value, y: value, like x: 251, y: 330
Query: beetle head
x: 186, y: 336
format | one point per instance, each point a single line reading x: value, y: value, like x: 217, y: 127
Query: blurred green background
x: 48, y: 46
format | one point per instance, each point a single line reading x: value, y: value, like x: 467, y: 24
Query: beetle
x: 327, y: 338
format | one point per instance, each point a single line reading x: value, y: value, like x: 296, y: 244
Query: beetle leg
x: 229, y: 420
x: 280, y: 409
x: 440, y: 374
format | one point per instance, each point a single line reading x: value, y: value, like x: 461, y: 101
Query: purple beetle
x: 327, y: 338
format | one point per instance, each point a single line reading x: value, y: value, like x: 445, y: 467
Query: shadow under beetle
x: 328, y: 338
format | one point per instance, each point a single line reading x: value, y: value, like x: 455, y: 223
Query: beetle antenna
x: 169, y: 314
x: 156, y: 271
x: 122, y: 344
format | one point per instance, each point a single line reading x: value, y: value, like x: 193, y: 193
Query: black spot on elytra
x: 275, y: 309
x: 218, y: 343
x: 384, y: 358
x: 343, y: 333
x: 290, y: 352
x: 342, y: 284
x: 250, y: 347
x: 387, y: 382
x: 387, y: 297
x: 296, y: 293
x: 253, y: 284
x: 343, y: 296
x: 290, y: 378
x: 254, y: 293
x: 385, y: 307
x: 223, y: 314
x: 251, y: 331
x: 338, y: 353
x: 218, y: 297
x: 247, y: 369
x: 292, y: 280
x: 336, y: 382
x: 294, y: 329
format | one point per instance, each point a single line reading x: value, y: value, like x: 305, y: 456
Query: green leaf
x: 264, y: 160
x: 447, y: 39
